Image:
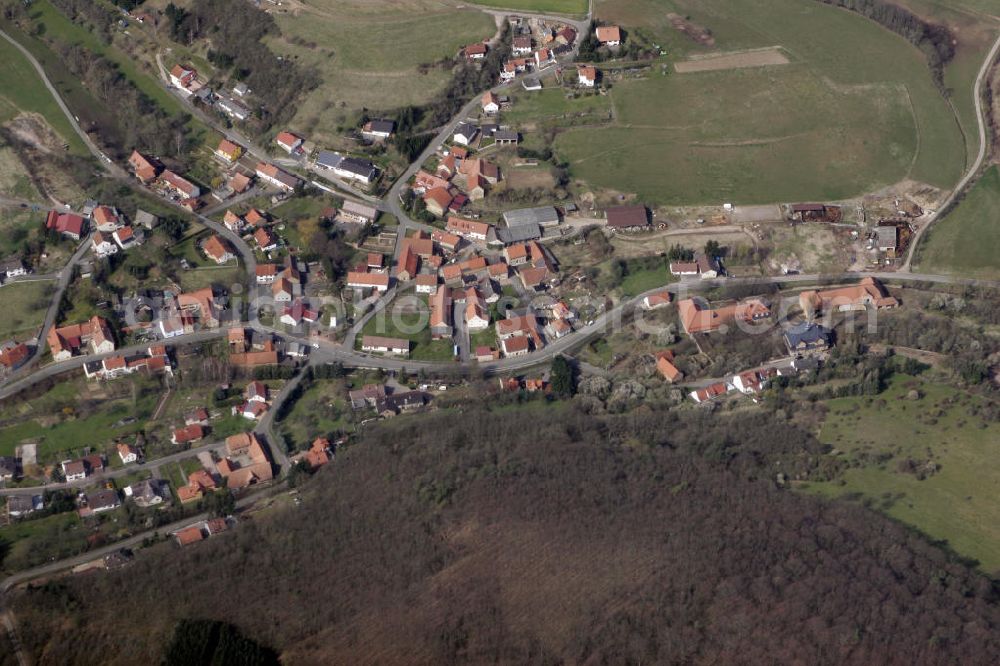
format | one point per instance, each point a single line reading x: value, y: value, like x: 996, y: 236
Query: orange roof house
x: 239, y: 183
x: 228, y: 150
x: 406, y: 268
x: 247, y: 462
x: 869, y: 292
x: 189, y: 535
x: 469, y: 228
x: 217, y: 249
x: 657, y: 300
x: 696, y: 318
x: 437, y: 200
x: 666, y: 367
x: 319, y: 453
x: 609, y: 34
x: 144, y: 168
x: 421, y: 244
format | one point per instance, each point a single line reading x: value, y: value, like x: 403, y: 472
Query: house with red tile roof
x: 471, y: 229
x: 697, y: 317
x: 868, y: 294
x: 255, y: 218
x: 240, y: 183
x: 277, y: 177
x: 657, y: 300
x: 125, y: 237
x: 426, y: 283
x: 665, y: 366
x: 246, y: 462
x: 586, y: 75
x: 217, y: 249
x: 67, y: 224
x: 146, y: 169
x: 105, y: 219
x: 477, y: 315
x: 609, y: 35
x: 446, y: 241
x: 228, y: 151
x: 517, y: 346
x: 266, y: 241
x: 441, y: 314
x: 407, y: 264
x: 709, y: 392
x: 377, y: 281
x: 189, y: 535
x: 179, y: 185
x: 438, y: 200
x: 424, y: 181
x: 318, y: 453
x: 189, y: 433
x: 67, y: 341
x: 475, y: 51
x: 490, y: 103
x: 288, y: 142
x: 13, y: 356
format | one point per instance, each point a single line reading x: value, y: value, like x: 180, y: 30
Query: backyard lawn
x: 63, y: 424
x: 24, y: 305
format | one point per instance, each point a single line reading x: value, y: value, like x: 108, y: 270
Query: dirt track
x: 756, y: 58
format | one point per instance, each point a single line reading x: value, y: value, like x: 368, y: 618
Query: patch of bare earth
x: 698, y: 33
x: 737, y: 60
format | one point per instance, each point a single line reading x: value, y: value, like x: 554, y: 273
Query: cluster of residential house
x: 154, y: 361
x: 200, y: 531
x: 111, y: 231
x: 246, y: 463
x: 195, y: 428
x: 189, y: 311
x: 450, y: 268
x: 255, y: 401
x: 387, y: 402
x: 531, y: 53
x: 459, y: 177
x: 72, y: 340
x: 249, y: 349
x: 149, y: 171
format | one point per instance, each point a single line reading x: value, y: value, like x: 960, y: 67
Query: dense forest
x: 651, y: 537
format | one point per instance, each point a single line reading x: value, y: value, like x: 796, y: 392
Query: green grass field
x: 958, y: 503
x: 24, y: 307
x: 322, y: 409
x: 967, y: 240
x: 552, y: 106
x: 58, y: 423
x: 567, y: 7
x: 855, y: 109
x: 368, y: 52
x: 22, y: 91
x: 403, y: 325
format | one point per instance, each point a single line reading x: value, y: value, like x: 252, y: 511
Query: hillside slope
x: 469, y: 538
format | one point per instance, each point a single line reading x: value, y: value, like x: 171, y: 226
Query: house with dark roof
x: 378, y: 129
x: 807, y: 338
x: 627, y: 218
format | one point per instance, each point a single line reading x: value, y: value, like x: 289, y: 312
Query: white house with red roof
x: 288, y: 142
